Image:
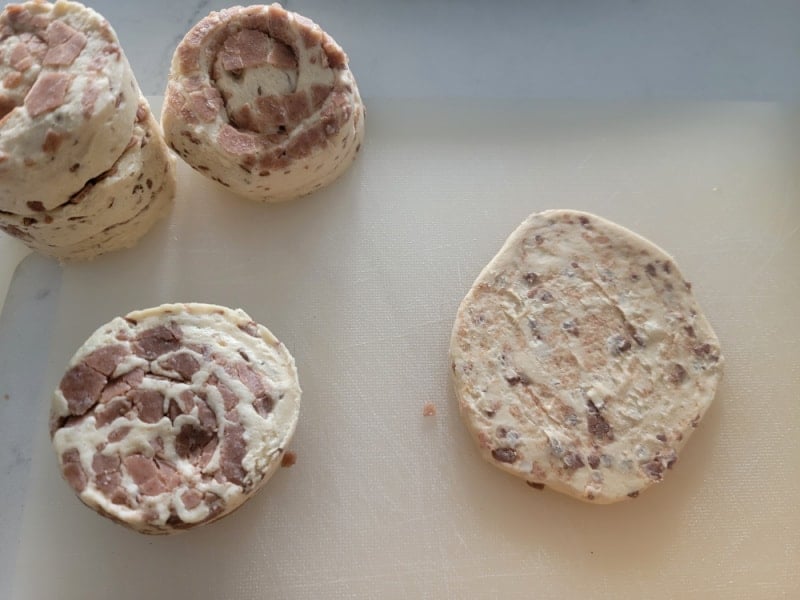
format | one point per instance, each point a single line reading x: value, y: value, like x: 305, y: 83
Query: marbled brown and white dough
x: 581, y: 359
x: 68, y: 102
x: 262, y: 101
x: 113, y: 210
x: 174, y: 416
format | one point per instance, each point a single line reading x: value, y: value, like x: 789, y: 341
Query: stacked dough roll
x: 83, y: 166
x: 262, y: 101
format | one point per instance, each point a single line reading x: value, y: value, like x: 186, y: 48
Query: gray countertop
x: 620, y: 50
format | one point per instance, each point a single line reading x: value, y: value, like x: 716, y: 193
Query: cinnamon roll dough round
x: 262, y: 101
x: 68, y: 102
x: 581, y: 359
x: 114, y: 209
x: 174, y: 416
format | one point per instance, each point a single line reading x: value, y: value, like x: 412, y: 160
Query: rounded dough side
x: 186, y: 412
x: 244, y: 126
x: 128, y: 233
x: 581, y: 359
x: 65, y: 117
x: 114, y: 210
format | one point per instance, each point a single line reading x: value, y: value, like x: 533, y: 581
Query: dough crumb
x: 288, y: 459
x: 429, y: 410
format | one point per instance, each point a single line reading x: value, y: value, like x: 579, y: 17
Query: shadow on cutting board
x: 634, y: 537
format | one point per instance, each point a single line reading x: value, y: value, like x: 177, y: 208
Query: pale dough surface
x: 48, y: 153
x: 581, y: 359
x: 112, y: 211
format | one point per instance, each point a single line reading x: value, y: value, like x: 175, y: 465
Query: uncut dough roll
x: 113, y: 210
x: 68, y: 102
x: 174, y: 416
x: 581, y: 359
x: 262, y: 101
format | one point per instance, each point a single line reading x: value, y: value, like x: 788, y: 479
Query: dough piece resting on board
x: 581, y: 359
x: 262, y: 101
x: 113, y: 210
x: 68, y: 102
x: 174, y: 416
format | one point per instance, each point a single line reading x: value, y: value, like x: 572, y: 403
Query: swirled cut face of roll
x: 581, y: 359
x: 262, y: 101
x: 174, y: 416
x: 113, y: 210
x: 68, y: 103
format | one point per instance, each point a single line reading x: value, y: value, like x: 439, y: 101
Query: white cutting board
x: 362, y: 282
x: 11, y: 253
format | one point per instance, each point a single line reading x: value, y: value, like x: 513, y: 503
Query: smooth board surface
x: 362, y: 282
